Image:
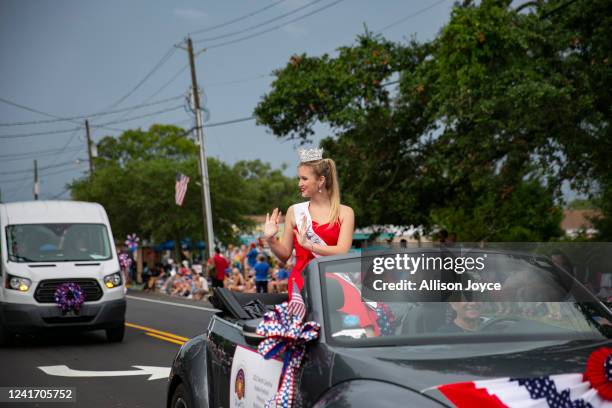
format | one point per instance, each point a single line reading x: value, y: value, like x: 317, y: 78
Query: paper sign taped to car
x: 254, y: 380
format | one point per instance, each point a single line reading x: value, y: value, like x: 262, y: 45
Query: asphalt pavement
x: 104, y: 374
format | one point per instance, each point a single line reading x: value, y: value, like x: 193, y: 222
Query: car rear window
x: 350, y: 318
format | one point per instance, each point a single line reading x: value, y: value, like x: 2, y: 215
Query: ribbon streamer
x: 285, y: 332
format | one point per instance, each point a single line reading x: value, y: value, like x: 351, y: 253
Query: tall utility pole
x: 91, y: 167
x: 36, y: 186
x: 206, y: 208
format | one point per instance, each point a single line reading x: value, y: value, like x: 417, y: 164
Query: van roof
x: 35, y: 212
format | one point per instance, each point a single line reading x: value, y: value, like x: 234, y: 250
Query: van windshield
x: 57, y: 242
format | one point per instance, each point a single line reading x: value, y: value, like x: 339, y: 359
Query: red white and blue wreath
x: 69, y: 297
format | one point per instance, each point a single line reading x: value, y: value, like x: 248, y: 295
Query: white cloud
x: 190, y: 14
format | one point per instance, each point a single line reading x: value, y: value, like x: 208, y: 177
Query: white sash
x: 300, y: 211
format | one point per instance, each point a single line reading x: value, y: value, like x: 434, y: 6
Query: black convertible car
x: 359, y: 362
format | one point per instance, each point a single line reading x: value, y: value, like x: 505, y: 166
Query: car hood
x: 421, y: 368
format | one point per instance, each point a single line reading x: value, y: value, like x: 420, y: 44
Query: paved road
x: 157, y: 325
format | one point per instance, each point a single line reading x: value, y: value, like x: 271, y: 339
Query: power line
x: 91, y: 115
x: 66, y: 145
x: 48, y: 132
x: 416, y: 13
x: 218, y: 37
x: 140, y: 116
x: 53, y: 166
x: 235, y: 20
x: 159, y: 64
x: 53, y: 173
x: 114, y: 129
x: 229, y: 122
x: 156, y: 93
x: 20, y: 180
x: 30, y: 153
x: 27, y: 108
x: 10, y: 158
x: 59, y: 131
x: 164, y: 86
x: 259, y: 33
x: 56, y: 196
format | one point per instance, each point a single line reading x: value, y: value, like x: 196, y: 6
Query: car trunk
x: 420, y: 368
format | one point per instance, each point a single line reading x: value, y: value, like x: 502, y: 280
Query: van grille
x: 68, y: 319
x: 46, y: 289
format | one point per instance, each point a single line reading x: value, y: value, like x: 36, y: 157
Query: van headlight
x: 17, y: 283
x: 112, y: 280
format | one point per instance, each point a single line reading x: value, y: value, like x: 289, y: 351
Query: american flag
x: 180, y: 188
x: 296, y: 304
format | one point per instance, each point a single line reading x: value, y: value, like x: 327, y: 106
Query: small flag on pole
x: 180, y: 188
x: 296, y: 304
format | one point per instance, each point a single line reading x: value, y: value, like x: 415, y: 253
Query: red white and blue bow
x: 285, y: 332
x: 593, y: 389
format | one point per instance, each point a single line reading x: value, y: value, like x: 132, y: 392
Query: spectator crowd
x: 247, y: 269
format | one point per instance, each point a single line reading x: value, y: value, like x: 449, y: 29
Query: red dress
x: 352, y: 298
x: 328, y: 233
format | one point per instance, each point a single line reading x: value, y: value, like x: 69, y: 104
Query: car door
x: 241, y: 377
x: 221, y: 344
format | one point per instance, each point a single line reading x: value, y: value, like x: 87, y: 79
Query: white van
x: 47, y: 244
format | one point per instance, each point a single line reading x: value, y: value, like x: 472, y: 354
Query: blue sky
x: 71, y: 57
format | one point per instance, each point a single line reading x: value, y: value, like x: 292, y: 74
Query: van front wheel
x: 115, y: 334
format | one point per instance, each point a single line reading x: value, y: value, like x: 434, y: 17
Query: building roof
x: 577, y: 219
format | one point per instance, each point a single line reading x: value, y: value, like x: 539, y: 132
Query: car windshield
x: 349, y: 319
x: 57, y: 242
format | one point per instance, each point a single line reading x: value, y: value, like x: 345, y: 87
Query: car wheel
x: 181, y: 398
x: 115, y: 334
x: 6, y: 337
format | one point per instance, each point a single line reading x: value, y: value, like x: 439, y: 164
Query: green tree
x: 265, y: 187
x: 135, y: 177
x: 487, y: 121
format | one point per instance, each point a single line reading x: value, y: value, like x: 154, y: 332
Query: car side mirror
x: 248, y: 331
x: 252, y: 339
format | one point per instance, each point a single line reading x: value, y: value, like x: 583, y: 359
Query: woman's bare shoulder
x: 346, y: 212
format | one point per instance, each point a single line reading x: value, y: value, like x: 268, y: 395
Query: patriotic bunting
x: 593, y: 389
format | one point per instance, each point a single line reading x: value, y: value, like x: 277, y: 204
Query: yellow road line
x: 158, y: 332
x: 157, y: 336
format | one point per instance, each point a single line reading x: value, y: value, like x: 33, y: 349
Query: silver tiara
x: 307, y: 155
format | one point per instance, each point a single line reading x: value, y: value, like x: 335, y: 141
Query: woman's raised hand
x: 271, y: 225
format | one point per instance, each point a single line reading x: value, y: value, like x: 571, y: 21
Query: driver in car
x: 467, y: 318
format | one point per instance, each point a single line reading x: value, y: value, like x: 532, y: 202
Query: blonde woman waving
x: 318, y: 227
